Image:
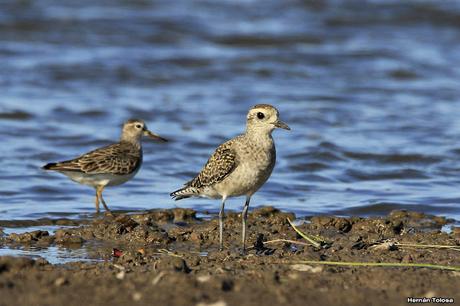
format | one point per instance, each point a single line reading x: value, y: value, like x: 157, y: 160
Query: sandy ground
x: 170, y: 257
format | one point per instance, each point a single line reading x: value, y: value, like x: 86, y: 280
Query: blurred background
x: 370, y: 89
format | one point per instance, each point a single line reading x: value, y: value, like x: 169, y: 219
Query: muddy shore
x: 170, y: 257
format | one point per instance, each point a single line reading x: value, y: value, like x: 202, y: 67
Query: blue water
x: 371, y: 90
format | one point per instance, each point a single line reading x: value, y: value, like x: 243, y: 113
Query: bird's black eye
x: 138, y: 126
x: 260, y: 115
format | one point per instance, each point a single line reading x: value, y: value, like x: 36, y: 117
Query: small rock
x: 227, y: 285
x: 385, y: 246
x: 29, y: 236
x: 66, y: 237
x: 358, y: 244
x: 46, y: 241
x: 120, y: 275
x: 342, y: 224
x: 178, y: 232
x: 417, y: 215
x: 218, y: 303
x: 42, y: 261
x: 398, y: 214
x: 293, y: 276
x: 194, y: 261
x: 60, y: 281
x: 397, y: 227
x: 274, y: 215
x: 430, y: 294
x: 322, y: 221
x: 456, y: 231
x: 196, y: 237
x: 162, y: 215
x: 61, y: 234
x: 440, y: 220
x: 176, y: 264
x: 36, y: 235
x: 125, y: 224
x: 157, y: 237
x: 183, y: 214
x: 137, y: 296
x: 203, y: 278
x: 71, y: 240
x: 87, y: 235
x: 307, y: 268
x: 266, y: 211
x: 67, y: 222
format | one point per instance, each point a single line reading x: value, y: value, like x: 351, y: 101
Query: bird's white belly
x: 99, y: 179
x: 245, y: 180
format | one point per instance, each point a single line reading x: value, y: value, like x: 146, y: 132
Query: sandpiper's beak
x: 154, y: 136
x: 280, y: 124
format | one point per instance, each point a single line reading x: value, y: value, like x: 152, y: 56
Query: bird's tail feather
x: 50, y: 166
x: 184, y: 193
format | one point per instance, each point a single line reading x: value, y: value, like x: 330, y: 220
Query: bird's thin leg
x: 221, y: 224
x: 97, y: 202
x: 100, y: 189
x: 244, y: 217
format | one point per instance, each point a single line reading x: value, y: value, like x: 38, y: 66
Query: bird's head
x: 264, y: 118
x: 134, y: 129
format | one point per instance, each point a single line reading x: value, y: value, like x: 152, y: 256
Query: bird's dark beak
x: 280, y: 124
x: 154, y: 136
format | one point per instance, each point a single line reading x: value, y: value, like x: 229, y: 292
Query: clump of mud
x: 170, y: 257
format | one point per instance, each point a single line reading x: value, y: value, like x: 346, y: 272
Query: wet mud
x: 171, y: 257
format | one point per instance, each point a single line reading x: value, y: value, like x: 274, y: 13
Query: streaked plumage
x: 118, y: 158
x: 218, y: 167
x: 239, y: 166
x: 111, y: 165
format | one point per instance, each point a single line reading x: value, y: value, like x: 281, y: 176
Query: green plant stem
x: 381, y: 264
x: 434, y: 246
x: 304, y: 236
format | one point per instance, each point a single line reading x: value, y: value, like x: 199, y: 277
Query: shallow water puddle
x: 448, y: 228
x: 53, y: 254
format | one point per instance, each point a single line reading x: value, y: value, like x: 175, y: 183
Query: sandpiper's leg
x: 97, y: 202
x: 221, y: 224
x: 99, y: 192
x: 244, y: 217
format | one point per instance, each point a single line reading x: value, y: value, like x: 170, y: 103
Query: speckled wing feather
x: 120, y: 158
x: 218, y: 167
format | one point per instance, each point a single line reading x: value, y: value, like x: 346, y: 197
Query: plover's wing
x: 117, y: 158
x: 221, y: 163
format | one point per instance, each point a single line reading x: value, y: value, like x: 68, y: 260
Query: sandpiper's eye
x: 260, y: 115
x: 138, y: 126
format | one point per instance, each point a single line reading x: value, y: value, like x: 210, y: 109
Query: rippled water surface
x: 371, y: 90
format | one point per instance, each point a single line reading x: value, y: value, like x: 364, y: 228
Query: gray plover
x: 111, y: 165
x: 239, y: 166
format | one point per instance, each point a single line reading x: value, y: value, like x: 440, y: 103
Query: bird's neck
x: 135, y: 142
x: 259, y: 136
